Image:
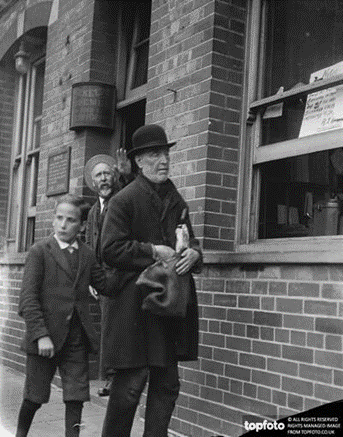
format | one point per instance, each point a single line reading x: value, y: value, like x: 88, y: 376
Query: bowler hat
x: 150, y: 136
x: 92, y: 162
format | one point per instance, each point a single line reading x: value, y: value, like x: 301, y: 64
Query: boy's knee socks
x: 26, y: 415
x: 73, y: 415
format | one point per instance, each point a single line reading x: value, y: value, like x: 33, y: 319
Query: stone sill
x: 13, y: 258
x: 324, y: 252
x: 213, y: 257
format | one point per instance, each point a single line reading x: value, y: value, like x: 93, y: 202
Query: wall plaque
x: 58, y: 172
x: 92, y: 105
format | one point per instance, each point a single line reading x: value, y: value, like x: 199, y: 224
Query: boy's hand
x: 188, y: 258
x: 46, y: 347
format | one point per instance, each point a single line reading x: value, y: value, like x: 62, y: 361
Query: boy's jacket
x: 49, y: 294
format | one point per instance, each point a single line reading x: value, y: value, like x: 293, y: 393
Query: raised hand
x: 124, y: 164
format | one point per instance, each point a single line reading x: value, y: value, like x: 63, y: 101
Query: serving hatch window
x: 294, y: 133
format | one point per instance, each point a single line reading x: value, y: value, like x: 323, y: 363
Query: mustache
x: 105, y: 185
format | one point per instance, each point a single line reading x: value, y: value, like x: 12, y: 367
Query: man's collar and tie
x: 103, y: 204
x: 103, y: 210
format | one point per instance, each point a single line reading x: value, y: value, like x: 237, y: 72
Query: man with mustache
x: 106, y: 176
x: 139, y: 228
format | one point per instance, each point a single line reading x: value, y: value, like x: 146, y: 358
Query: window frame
x: 127, y: 56
x: 127, y: 98
x: 248, y: 247
x: 25, y: 159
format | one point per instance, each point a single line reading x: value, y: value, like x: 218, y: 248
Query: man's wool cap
x: 92, y: 162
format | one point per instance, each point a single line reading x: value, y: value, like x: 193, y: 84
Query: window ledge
x: 317, y: 250
x: 13, y: 258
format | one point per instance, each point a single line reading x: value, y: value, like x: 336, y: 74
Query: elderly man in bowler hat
x: 139, y: 228
x: 106, y: 176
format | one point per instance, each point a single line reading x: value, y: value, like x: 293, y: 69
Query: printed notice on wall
x: 58, y: 172
x: 324, y: 109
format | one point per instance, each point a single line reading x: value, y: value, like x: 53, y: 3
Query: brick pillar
x: 195, y: 85
x: 79, y: 49
x: 6, y: 123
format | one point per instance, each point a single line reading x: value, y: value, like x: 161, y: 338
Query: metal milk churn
x: 326, y: 217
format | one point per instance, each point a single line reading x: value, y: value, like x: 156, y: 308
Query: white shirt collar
x: 64, y: 245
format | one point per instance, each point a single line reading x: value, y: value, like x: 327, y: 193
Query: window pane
x: 141, y: 67
x: 302, y: 196
x: 30, y: 233
x: 36, y: 134
x: 13, y: 216
x: 38, y: 104
x: 20, y: 106
x: 133, y: 117
x: 302, y: 37
x: 138, y: 48
x: 144, y: 12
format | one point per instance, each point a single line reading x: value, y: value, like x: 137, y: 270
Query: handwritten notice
x: 328, y: 72
x: 320, y: 115
x: 324, y: 109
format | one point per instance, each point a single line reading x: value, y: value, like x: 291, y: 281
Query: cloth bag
x: 168, y: 292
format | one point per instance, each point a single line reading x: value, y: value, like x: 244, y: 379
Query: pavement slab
x: 49, y: 419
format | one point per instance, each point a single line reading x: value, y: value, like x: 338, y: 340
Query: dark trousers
x: 72, y: 362
x: 105, y: 373
x: 126, y: 389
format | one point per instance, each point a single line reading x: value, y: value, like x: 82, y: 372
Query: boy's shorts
x: 72, y: 362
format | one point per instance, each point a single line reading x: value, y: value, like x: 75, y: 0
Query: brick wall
x: 6, y: 123
x: 270, y: 335
x: 11, y: 325
x: 271, y: 346
x: 195, y: 86
x: 271, y: 339
x: 67, y: 62
x: 79, y: 42
x: 80, y: 48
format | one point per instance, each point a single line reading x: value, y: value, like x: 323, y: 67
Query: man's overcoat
x: 137, y: 217
x: 50, y: 294
x: 92, y: 233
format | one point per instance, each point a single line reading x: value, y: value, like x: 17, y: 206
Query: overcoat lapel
x: 172, y: 199
x: 155, y: 199
x: 83, y: 260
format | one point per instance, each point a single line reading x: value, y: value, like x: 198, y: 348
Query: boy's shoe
x: 104, y: 391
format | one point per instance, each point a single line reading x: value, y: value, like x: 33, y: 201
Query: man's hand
x: 164, y: 252
x: 188, y: 258
x: 124, y: 164
x: 46, y: 347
